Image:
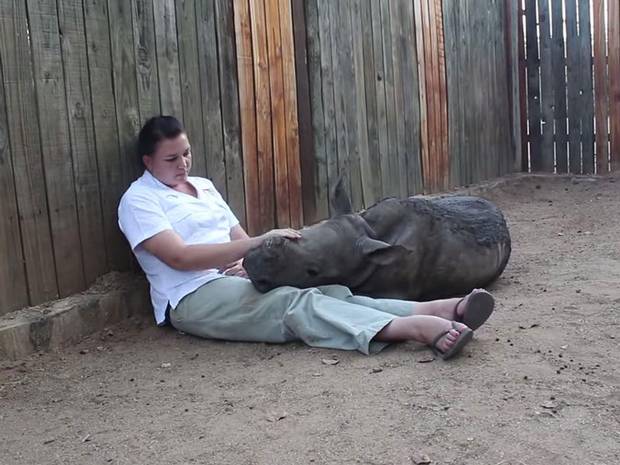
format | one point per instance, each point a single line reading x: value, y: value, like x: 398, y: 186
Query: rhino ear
x: 379, y: 252
x: 341, y: 204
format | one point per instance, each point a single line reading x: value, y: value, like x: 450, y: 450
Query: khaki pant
x: 230, y: 308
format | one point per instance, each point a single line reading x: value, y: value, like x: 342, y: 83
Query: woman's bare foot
x: 478, y: 305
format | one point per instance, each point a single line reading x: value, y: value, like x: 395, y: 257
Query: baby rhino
x: 415, y: 248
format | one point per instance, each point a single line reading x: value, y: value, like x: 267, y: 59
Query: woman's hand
x: 287, y: 232
x: 235, y: 269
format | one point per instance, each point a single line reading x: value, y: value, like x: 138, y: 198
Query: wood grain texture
x: 614, y: 89
x: 601, y: 87
x: 167, y: 58
x: 558, y: 64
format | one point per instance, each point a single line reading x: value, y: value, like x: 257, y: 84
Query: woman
x: 191, y: 246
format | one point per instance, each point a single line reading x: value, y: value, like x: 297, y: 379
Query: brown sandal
x: 465, y: 336
x: 480, y: 305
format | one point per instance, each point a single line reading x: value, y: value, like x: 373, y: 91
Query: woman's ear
x: 148, y: 161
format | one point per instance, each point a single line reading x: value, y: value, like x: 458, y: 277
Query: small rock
x: 100, y: 348
x: 273, y: 417
x: 428, y: 359
x: 166, y: 365
x: 49, y: 441
x: 549, y: 405
x: 330, y: 361
x: 578, y: 291
x: 420, y: 459
x: 560, y: 234
x: 563, y: 347
x: 84, y: 351
x: 376, y: 370
x: 86, y: 438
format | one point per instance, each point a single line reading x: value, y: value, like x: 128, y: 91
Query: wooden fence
x: 279, y: 97
x: 571, y: 85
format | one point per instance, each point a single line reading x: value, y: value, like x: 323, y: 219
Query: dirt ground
x: 539, y: 385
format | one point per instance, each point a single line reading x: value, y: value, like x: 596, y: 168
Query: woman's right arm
x: 170, y: 248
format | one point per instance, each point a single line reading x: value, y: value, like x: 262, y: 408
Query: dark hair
x: 156, y: 129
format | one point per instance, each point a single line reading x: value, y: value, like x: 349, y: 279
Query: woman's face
x: 171, y: 161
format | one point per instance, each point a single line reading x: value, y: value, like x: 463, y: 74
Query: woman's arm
x: 238, y: 233
x: 170, y: 248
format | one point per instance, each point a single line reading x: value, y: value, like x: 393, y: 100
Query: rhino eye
x: 312, y: 272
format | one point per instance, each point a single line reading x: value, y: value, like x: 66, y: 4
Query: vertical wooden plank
x: 432, y: 95
x: 373, y: 185
x: 328, y: 93
x: 278, y: 115
x: 208, y: 77
x: 82, y: 137
x: 245, y: 69
x: 533, y: 89
x: 290, y: 111
x: 306, y: 50
x: 103, y: 108
x: 614, y: 82
x: 600, y: 86
x: 379, y: 80
x: 391, y: 185
x: 263, y: 115
x: 546, y: 97
x: 190, y: 84
x: 413, y: 173
x: 25, y: 146
x: 167, y: 58
x: 559, y: 88
x: 572, y: 77
x: 125, y: 86
x: 146, y: 59
x: 525, y: 144
x: 14, y: 291
x: 396, y: 19
x: 358, y: 37
x: 586, y: 95
x: 451, y: 12
x: 49, y: 84
x: 230, y: 106
x: 444, y: 167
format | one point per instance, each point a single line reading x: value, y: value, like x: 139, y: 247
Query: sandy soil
x: 539, y: 385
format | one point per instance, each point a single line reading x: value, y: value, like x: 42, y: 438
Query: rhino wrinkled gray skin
x: 415, y: 248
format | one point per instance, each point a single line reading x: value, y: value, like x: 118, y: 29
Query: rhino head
x: 339, y: 250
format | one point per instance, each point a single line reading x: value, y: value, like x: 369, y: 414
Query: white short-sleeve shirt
x: 149, y: 207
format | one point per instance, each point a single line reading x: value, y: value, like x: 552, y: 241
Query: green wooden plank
x: 25, y: 146
x: 533, y: 88
x: 50, y: 88
x: 125, y: 86
x: 328, y: 93
x: 321, y: 181
x: 103, y: 109
x: 190, y: 84
x: 167, y: 58
x: 82, y: 137
x: 208, y: 77
x: 586, y: 88
x: 146, y: 59
x: 14, y: 291
x: 573, y: 79
x: 230, y: 107
x: 559, y: 87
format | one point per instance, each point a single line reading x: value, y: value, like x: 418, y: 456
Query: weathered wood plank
x: 274, y: 47
x: 306, y: 32
x: 573, y: 79
x: 49, y: 84
x: 263, y: 116
x: 25, y: 145
x: 444, y: 167
x: 396, y: 19
x: 559, y: 88
x: 381, y: 172
x: 290, y: 111
x: 14, y: 290
x: 328, y: 94
x: 451, y: 14
x: 361, y: 38
x: 586, y: 95
x: 600, y: 87
x: 614, y: 88
x: 230, y: 107
x: 547, y: 100
x: 391, y: 185
x: 103, y: 111
x: 208, y: 77
x: 533, y: 89
x: 167, y: 58
x: 247, y: 110
x: 125, y: 86
x: 524, y: 165
x: 146, y: 59
x: 373, y: 185
x: 191, y: 97
x: 82, y: 138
